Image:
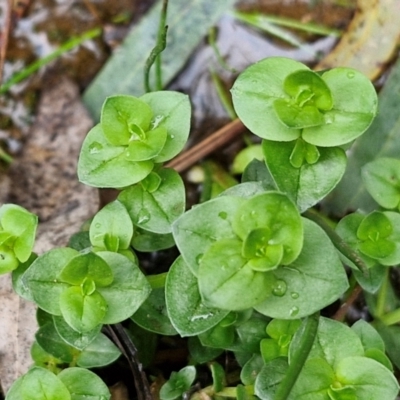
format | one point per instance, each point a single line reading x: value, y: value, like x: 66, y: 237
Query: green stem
x: 155, y: 55
x: 391, y: 318
x: 30, y: 69
x: 382, y: 294
x: 303, y: 347
x: 338, y: 242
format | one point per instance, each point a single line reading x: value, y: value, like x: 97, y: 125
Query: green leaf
x: 368, y: 335
x: 374, y: 232
x: 189, y: 315
x: 87, y: 266
x: 112, y: 221
x: 270, y: 377
x: 43, y: 359
x: 79, y: 340
x: 224, y: 273
x: 155, y: 211
x: 354, y: 108
x: 251, y: 369
x: 146, y: 241
x: 255, y: 92
x: 153, y: 316
x: 381, y: 178
x: 374, y: 249
x: 178, y: 383
x: 122, y: 116
x: 367, y: 377
x: 314, y: 280
x: 380, y: 140
x: 201, y: 354
x: 42, y: 278
x: 99, y: 352
x: 147, y: 146
x: 84, y: 384
x: 128, y: 290
x: 197, y: 229
x: 278, y: 217
x: 38, y: 384
x: 245, y: 157
x: 50, y: 341
x: 172, y: 112
x: 218, y: 376
x: 102, y: 164
x: 308, y: 184
x: 22, y: 225
x: 82, y: 312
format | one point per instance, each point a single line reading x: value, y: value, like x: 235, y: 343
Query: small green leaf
x: 354, y: 108
x: 178, y: 383
x: 381, y: 178
x: 112, y: 221
x: 84, y: 384
x: 84, y: 266
x: 275, y: 212
x: 172, y: 112
x: 368, y: 335
x: 156, y: 210
x: 102, y: 164
x: 79, y: 340
x: 148, y: 146
x: 153, y: 316
x: 224, y: 273
x: 38, y: 384
x: 189, y: 315
x: 99, y: 352
x: 270, y: 377
x: 197, y: 229
x: 42, y: 278
x: 255, y: 92
x: 306, y: 177
x: 121, y: 118
x: 20, y: 225
x: 314, y: 280
x: 128, y: 290
x: 82, y: 312
x: 50, y: 341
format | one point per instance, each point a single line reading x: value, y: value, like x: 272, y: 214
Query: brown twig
x: 4, y: 35
x: 213, y: 142
x: 341, y: 313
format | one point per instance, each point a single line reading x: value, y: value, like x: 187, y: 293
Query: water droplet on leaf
x: 294, y: 295
x: 351, y: 75
x: 199, y: 257
x: 279, y: 288
x: 223, y: 215
x: 95, y: 147
x: 143, y: 216
x: 294, y: 311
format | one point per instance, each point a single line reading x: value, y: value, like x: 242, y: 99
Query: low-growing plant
x: 257, y: 264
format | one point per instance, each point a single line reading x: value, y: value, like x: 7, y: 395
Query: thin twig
x: 213, y: 142
x: 4, y: 35
x: 341, y: 313
x: 128, y: 349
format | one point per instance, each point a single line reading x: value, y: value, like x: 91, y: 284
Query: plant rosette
x: 282, y: 100
x: 258, y: 247
x: 134, y: 134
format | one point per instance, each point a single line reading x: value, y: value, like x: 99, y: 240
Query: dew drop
x: 279, y: 288
x: 223, y: 215
x: 199, y: 257
x: 143, y: 216
x: 294, y: 295
x: 98, y: 225
x: 95, y: 147
x: 294, y: 311
x: 172, y: 136
x: 351, y: 75
x: 253, y: 213
x: 156, y: 121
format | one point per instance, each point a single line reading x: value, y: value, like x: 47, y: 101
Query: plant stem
x: 382, y: 294
x: 391, y: 318
x: 155, y: 54
x: 303, y: 347
x: 338, y: 242
x: 341, y: 313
